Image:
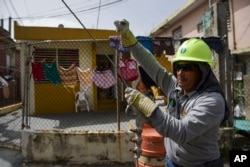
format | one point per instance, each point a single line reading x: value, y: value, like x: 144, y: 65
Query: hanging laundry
x: 84, y: 76
x: 178, y: 42
x: 161, y: 44
x: 115, y: 43
x: 6, y: 90
x: 215, y: 43
x: 103, y: 79
x: 37, y: 70
x: 128, y: 69
x: 3, y: 82
x: 68, y: 76
x: 51, y: 72
x: 146, y: 42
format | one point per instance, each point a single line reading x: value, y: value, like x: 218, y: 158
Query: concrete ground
x: 10, y: 157
x: 13, y: 158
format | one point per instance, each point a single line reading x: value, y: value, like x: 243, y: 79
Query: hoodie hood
x: 209, y: 83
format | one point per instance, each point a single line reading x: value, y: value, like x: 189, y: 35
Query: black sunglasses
x: 184, y: 67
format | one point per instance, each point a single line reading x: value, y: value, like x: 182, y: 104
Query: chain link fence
x: 69, y: 85
x: 10, y: 95
x: 241, y: 94
x: 79, y: 85
x: 73, y: 85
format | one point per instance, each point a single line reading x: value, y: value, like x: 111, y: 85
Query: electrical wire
x: 92, y: 37
x: 15, y: 10
x: 98, y: 15
x: 6, y: 7
x: 118, y: 115
x: 80, y: 10
x: 25, y: 3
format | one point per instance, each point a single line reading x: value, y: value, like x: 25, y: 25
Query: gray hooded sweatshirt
x: 191, y: 124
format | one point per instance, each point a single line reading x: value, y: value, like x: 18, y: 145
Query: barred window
x: 177, y: 33
x: 228, y: 15
x: 63, y: 57
x: 200, y: 27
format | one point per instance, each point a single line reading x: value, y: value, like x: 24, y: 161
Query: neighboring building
x: 10, y: 90
x: 218, y: 18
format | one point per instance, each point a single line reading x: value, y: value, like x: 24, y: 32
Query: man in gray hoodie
x: 196, y: 104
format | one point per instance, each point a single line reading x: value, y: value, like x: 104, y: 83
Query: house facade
x: 87, y: 49
x: 65, y: 47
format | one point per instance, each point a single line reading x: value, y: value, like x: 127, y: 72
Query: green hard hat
x: 194, y: 50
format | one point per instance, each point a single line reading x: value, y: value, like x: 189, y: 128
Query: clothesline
x: 156, y: 45
x: 69, y: 76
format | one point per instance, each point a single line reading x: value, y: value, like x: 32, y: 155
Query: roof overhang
x: 244, y: 51
x: 57, y: 33
x: 5, y: 36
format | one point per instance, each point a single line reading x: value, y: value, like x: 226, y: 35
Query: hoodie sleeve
x: 204, y: 113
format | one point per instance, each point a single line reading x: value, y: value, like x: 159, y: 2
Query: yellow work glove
x: 127, y: 37
x: 140, y: 101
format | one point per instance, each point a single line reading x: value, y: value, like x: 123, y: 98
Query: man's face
x: 188, y: 75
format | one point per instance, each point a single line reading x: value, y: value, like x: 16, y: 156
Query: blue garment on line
x: 147, y: 42
x: 51, y: 72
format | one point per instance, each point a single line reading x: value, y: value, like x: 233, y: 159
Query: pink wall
x: 242, y: 24
x: 188, y: 23
x: 241, y: 12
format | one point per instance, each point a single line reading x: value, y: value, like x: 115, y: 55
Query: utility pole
x: 224, y: 57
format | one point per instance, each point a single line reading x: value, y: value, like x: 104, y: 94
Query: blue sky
x: 143, y: 15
